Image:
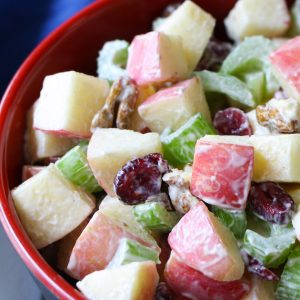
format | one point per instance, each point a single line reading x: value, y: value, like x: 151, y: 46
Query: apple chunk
x: 194, y: 26
x: 206, y: 245
x: 269, y: 18
x: 286, y: 64
x: 222, y: 174
x: 134, y: 281
x: 172, y: 107
x: 39, y: 145
x: 68, y: 103
x: 110, y: 148
x: 50, y: 207
x: 155, y: 57
x: 186, y: 281
x: 97, y: 245
x: 275, y: 156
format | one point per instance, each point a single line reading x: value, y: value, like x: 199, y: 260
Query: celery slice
x: 228, y: 85
x: 75, y: 167
x: 112, y: 60
x: 132, y: 251
x: 179, y: 146
x: 234, y: 220
x: 154, y: 216
x: 273, y: 250
x: 288, y: 287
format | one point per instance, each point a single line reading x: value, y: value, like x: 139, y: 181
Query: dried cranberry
x: 270, y: 202
x: 256, y: 267
x: 214, y: 55
x: 140, y: 178
x: 232, y: 121
x: 163, y: 292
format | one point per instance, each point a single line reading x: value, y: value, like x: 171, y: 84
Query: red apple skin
x: 286, y: 60
x: 222, y: 174
x: 29, y: 171
x: 96, y: 246
x: 146, y: 62
x: 65, y: 133
x: 188, y: 283
x: 197, y: 240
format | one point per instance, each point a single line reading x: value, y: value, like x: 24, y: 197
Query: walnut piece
x: 279, y: 115
x: 122, y: 92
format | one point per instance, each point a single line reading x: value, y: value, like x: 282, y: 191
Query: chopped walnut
x: 179, y: 190
x: 279, y: 115
x: 124, y: 93
x: 163, y: 199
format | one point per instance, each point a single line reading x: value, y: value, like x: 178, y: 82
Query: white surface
x: 15, y: 281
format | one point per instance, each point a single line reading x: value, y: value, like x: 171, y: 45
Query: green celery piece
x: 132, y: 251
x: 179, y: 146
x: 235, y: 220
x: 154, y: 216
x: 288, y: 287
x: 272, y: 250
x: 250, y: 55
x: 295, y: 24
x: 75, y: 167
x: 272, y: 84
x: 112, y: 60
x: 228, y: 85
x: 256, y: 83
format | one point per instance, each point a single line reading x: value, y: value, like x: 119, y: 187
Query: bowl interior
x: 73, y: 46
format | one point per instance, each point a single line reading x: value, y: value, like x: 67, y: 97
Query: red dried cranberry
x: 163, y: 292
x: 140, y: 178
x: 270, y: 202
x: 256, y: 267
x: 232, y: 121
x: 214, y: 55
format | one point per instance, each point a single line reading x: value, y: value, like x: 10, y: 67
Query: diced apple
x: 286, y: 64
x: 50, y: 207
x: 275, y: 156
x: 133, y: 281
x: 172, y: 107
x: 194, y: 26
x: 269, y: 18
x: 123, y: 215
x: 222, y: 173
x: 257, y: 129
x: 206, y: 245
x: 29, y: 171
x: 260, y: 289
x: 137, y: 123
x: 110, y: 148
x: 155, y: 57
x: 68, y: 103
x: 97, y: 245
x: 185, y: 281
x: 66, y: 246
x: 39, y: 145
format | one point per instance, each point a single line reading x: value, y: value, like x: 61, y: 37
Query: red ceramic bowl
x: 73, y: 46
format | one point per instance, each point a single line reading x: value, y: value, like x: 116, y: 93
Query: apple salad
x: 175, y: 173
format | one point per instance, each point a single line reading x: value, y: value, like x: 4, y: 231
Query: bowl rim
x: 55, y: 283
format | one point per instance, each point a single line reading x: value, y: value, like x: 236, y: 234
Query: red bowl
x: 73, y: 46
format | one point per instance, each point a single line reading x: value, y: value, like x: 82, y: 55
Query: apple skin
x: 156, y: 58
x: 286, y: 64
x: 222, y: 173
x: 206, y: 245
x: 191, y: 284
x: 172, y: 107
x: 96, y: 246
